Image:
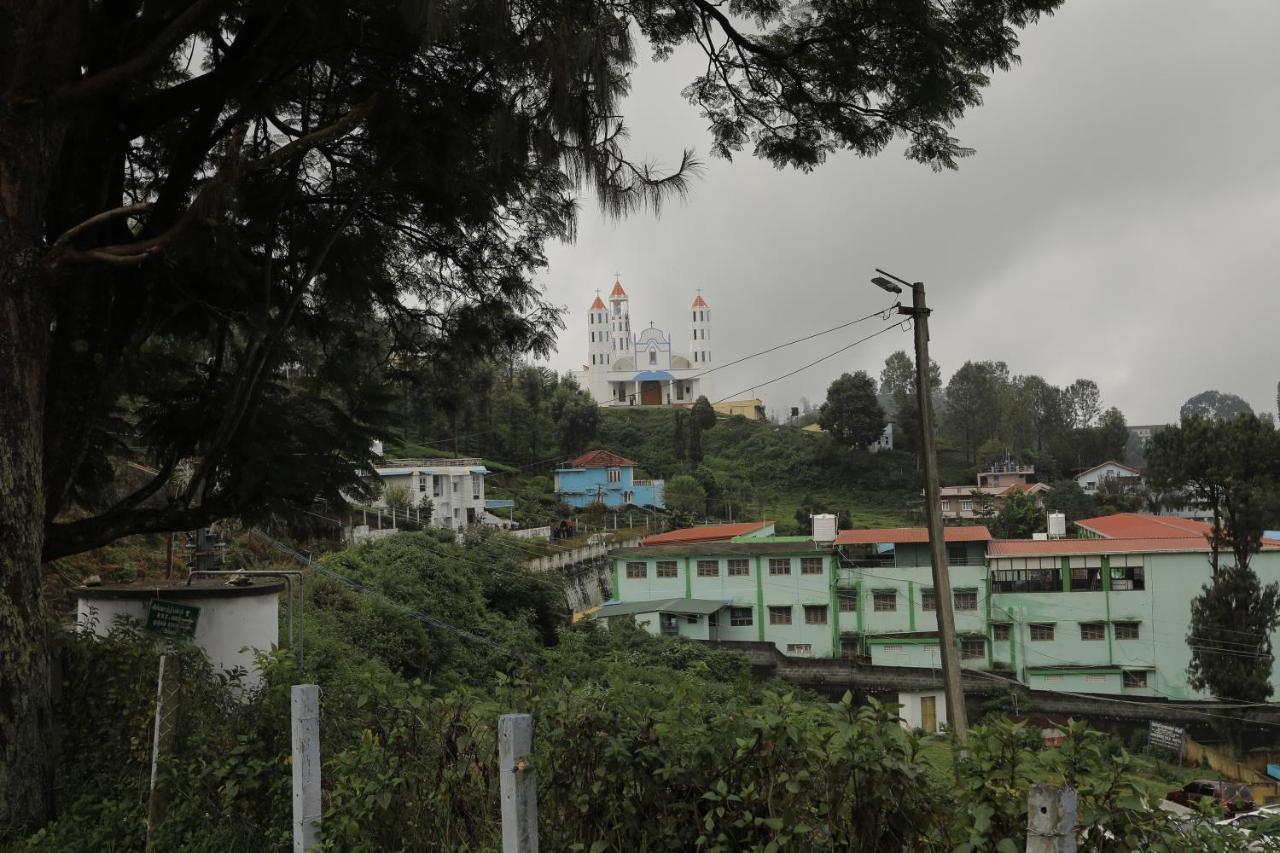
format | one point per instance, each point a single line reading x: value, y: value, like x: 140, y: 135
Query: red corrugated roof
x: 1047, y: 547
x: 600, y: 459
x: 1133, y: 525
x: 706, y: 533
x: 617, y: 291
x: 698, y: 302
x: 598, y: 305
x: 1025, y: 487
x: 910, y: 535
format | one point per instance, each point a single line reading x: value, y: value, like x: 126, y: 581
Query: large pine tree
x: 224, y: 222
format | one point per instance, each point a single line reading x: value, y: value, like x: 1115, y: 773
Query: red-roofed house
x: 1109, y: 473
x: 994, y: 484
x: 603, y: 477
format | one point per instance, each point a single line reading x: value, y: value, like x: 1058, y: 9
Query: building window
x: 848, y: 601
x: 614, y: 475
x: 666, y: 569
x: 815, y: 614
x: 653, y: 356
x: 437, y: 486
x: 1041, y: 631
x: 637, y: 571
x: 810, y: 565
x: 965, y: 599
x: 422, y: 484
x: 1126, y: 630
x: 957, y: 555
x: 713, y: 620
x: 780, y: 615
x: 1135, y: 678
x: 973, y: 648
x: 1000, y: 632
x: 779, y: 565
x: 740, y: 617
x: 1029, y: 574
x: 884, y: 600
x: 708, y: 568
x: 946, y: 506
x: 799, y: 648
x: 739, y: 568
x: 1127, y: 573
x: 928, y: 599
x: 477, y: 486
x: 692, y: 620
x: 1093, y: 631
x: 1095, y: 679
x: 966, y: 504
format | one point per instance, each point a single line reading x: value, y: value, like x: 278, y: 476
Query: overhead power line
x: 817, y: 361
x: 884, y: 314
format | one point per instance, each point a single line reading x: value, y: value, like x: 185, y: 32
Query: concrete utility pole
x: 957, y: 718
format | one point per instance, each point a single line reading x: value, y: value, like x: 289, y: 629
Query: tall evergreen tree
x: 851, y: 413
x: 338, y: 187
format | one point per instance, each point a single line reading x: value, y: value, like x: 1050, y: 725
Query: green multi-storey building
x: 1105, y: 614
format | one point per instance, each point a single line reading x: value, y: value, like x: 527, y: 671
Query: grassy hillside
x: 772, y: 471
x: 750, y: 470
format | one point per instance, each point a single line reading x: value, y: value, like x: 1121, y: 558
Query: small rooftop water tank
x: 824, y: 528
x: 1057, y: 525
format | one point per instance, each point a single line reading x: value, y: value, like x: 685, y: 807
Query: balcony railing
x: 431, y: 463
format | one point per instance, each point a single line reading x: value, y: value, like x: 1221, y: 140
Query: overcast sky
x: 1119, y: 221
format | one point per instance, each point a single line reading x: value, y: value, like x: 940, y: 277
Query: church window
x: 653, y: 356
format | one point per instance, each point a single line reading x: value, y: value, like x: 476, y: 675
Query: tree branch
x: 97, y: 219
x: 158, y: 51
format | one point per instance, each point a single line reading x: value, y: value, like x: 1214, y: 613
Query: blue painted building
x: 601, y: 477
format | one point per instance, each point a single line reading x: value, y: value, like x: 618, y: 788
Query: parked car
x: 1235, y: 797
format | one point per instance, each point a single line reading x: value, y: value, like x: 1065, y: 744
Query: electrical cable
x: 883, y: 314
x: 817, y: 361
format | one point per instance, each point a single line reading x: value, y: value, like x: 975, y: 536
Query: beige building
x: 994, y: 485
x: 749, y: 409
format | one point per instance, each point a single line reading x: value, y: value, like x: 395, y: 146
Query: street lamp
x: 956, y: 716
x: 884, y: 284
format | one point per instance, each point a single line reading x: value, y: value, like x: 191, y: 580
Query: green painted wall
x: 1162, y: 611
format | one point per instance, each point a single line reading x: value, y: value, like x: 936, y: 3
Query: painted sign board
x: 1166, y: 736
x: 172, y: 619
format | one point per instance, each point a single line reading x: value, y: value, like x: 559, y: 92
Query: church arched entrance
x: 651, y: 393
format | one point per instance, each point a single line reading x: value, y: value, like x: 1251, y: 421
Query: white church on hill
x: 644, y: 369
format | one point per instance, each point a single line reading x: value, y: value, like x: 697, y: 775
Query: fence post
x: 162, y: 737
x: 518, y: 785
x: 304, y: 707
x: 1051, y: 819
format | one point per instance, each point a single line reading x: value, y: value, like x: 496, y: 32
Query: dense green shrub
x: 641, y: 743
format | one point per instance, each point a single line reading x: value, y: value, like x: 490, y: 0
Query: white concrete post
x: 161, y: 737
x: 518, y: 786
x: 304, y: 706
x: 1051, y: 819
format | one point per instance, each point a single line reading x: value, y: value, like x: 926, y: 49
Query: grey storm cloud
x: 1118, y: 222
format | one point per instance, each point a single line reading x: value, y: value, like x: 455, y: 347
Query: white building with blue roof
x: 453, y: 487
x: 627, y: 368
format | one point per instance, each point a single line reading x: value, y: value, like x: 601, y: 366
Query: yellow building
x: 751, y: 409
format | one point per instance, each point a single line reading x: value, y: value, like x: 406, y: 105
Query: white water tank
x: 1040, y: 537
x: 376, y: 448
x: 824, y: 528
x: 1057, y: 525
x: 227, y: 621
